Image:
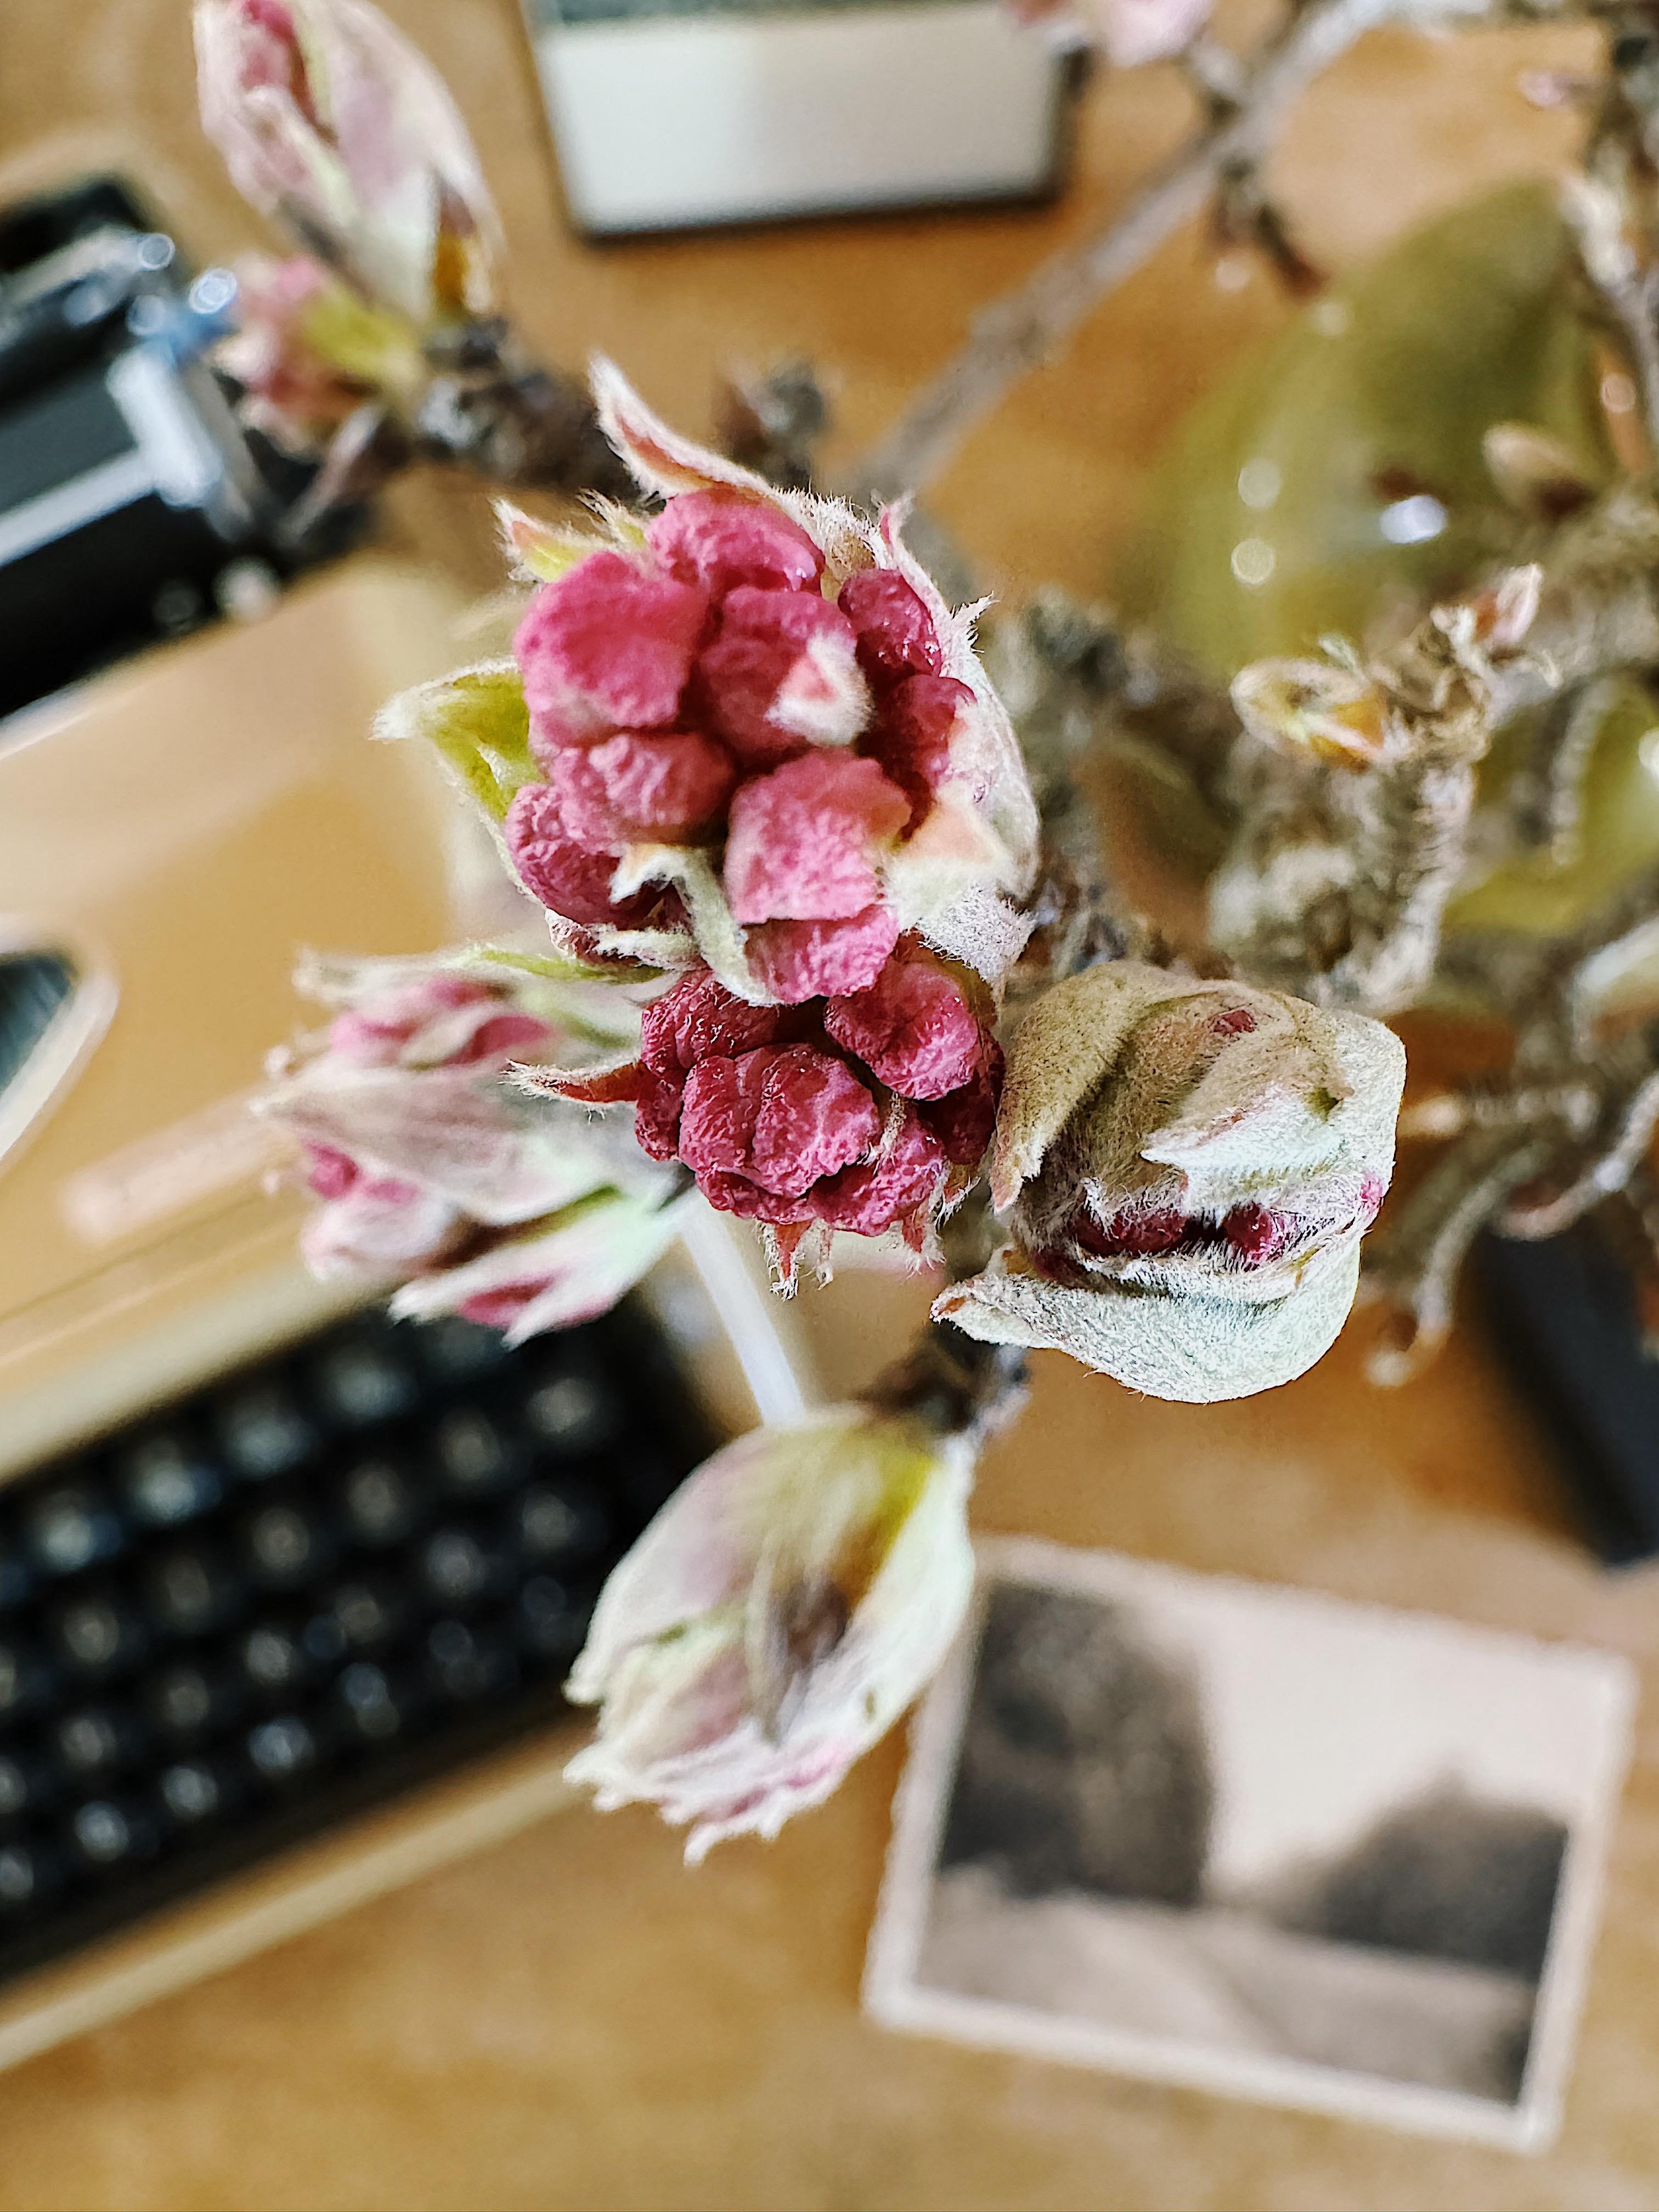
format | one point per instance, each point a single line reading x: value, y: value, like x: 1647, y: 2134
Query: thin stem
x: 1018, y: 332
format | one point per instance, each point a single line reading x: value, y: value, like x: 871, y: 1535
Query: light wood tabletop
x: 569, y: 2018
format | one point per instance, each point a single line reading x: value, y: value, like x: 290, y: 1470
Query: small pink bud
x: 896, y: 633
x: 870, y: 1198
x: 783, y: 1118
x: 563, y: 874
x: 700, y: 1019
x: 634, y: 788
x: 797, y: 960
x: 1257, y: 1235
x: 772, y: 644
x: 800, y: 839
x: 330, y: 1173
x: 913, y: 732
x: 964, y: 1121
x: 608, y: 646
x: 912, y: 1027
x: 721, y: 539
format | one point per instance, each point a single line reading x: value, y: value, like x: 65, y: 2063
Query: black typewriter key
x: 324, y: 1642
x: 551, y: 1623
x: 380, y: 1504
x: 285, y: 1546
x: 273, y: 1660
x: 558, y: 1527
x: 572, y: 1414
x: 94, y: 1740
x: 184, y: 1702
x: 29, y: 1874
x: 455, y: 1569
x: 190, y: 1591
x: 15, y: 1791
x: 20, y: 1880
x: 368, y: 1614
x: 453, y: 1351
x: 281, y: 1750
x: 105, y: 1837
x: 194, y: 1792
x: 95, y: 1633
x: 25, y: 1678
x: 16, y: 1576
x: 165, y: 1479
x: 70, y: 1527
x: 463, y: 1664
x: 25, y: 1784
x: 363, y: 1380
x: 373, y: 1708
x: 264, y: 1432
x: 472, y: 1455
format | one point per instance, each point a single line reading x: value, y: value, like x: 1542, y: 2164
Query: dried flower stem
x: 953, y: 1384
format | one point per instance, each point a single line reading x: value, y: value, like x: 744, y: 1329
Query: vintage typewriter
x: 287, y: 1592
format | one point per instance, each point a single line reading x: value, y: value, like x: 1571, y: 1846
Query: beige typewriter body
x: 179, y: 827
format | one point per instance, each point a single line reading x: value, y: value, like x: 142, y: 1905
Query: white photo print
x: 1255, y: 1840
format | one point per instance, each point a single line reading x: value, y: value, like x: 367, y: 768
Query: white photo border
x: 894, y: 1999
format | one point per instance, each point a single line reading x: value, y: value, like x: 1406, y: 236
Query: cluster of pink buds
x: 861, y: 1111
x: 763, y: 738
x: 746, y: 739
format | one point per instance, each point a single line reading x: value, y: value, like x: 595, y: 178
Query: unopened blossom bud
x: 295, y: 388
x: 746, y: 732
x: 865, y: 1110
x: 1188, y: 1168
x: 332, y: 122
x: 434, y: 1171
x: 774, y: 1620
x: 1333, y: 711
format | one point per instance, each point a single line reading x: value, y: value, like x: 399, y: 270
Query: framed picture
x: 667, y: 114
x: 1257, y: 1841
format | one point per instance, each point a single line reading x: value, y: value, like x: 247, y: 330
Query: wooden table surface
x: 573, y: 2019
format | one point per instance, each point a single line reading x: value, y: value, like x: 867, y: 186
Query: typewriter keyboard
x: 302, y: 1589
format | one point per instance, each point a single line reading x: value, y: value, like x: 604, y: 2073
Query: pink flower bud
x: 782, y: 672
x: 636, y: 788
x: 903, y: 1178
x: 797, y: 960
x: 699, y: 1019
x: 917, y: 721
x: 965, y: 1120
x: 734, y: 803
x: 431, y: 1167
x: 1188, y: 1167
x: 801, y: 841
x: 774, y: 1620
x: 722, y: 540
x: 293, y: 390
x: 609, y: 645
x: 330, y: 120
x: 778, y: 1117
x: 570, y: 878
x: 897, y: 635
x: 913, y: 1027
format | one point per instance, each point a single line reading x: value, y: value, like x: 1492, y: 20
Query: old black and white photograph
x: 1257, y: 1840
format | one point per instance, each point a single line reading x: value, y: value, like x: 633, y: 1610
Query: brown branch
x: 1020, y: 332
